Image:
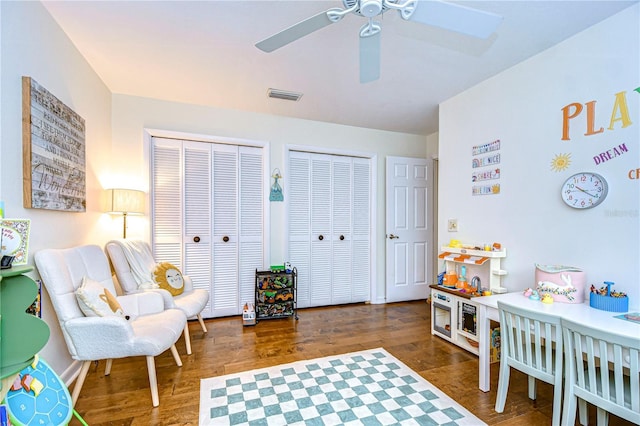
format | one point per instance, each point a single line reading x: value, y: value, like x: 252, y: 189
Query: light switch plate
x: 452, y: 225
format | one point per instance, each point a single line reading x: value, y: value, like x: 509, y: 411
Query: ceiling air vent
x: 283, y: 94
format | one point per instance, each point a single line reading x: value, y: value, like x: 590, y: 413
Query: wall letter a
x: 621, y: 106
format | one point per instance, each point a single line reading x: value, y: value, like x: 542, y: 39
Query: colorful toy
x: 547, y: 298
x: 39, y: 397
x: 264, y: 284
x: 607, y: 300
x: 534, y: 295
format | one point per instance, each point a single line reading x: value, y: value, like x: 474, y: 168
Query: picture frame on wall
x: 53, y: 147
x: 14, y: 241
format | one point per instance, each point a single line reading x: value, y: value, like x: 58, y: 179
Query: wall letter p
x: 567, y: 115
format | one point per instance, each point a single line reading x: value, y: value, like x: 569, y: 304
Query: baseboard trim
x: 69, y: 375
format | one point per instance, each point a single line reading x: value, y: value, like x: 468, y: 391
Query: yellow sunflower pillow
x: 169, y: 277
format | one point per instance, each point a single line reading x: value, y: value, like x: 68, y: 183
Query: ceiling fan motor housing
x: 366, y: 8
x: 371, y: 8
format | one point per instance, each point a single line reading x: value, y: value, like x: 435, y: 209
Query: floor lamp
x: 125, y: 202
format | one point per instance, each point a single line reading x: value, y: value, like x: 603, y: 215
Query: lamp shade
x: 128, y: 201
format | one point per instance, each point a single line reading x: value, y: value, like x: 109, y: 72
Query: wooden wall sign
x: 53, y: 152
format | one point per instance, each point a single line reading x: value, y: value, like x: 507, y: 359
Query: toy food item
x: 547, y: 298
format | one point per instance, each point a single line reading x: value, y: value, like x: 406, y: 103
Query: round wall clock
x: 584, y: 190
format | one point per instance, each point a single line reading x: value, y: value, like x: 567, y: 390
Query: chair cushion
x: 95, y: 300
x: 169, y: 278
x: 192, y: 302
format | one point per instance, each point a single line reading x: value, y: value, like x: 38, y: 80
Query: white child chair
x: 602, y: 368
x: 531, y: 342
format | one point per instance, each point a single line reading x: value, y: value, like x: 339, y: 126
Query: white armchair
x: 149, y: 330
x: 130, y: 266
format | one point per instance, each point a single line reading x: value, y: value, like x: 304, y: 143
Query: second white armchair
x: 133, y: 263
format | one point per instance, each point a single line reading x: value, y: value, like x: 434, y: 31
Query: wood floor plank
x: 403, y: 329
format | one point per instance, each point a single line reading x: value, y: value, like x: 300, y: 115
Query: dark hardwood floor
x: 403, y: 329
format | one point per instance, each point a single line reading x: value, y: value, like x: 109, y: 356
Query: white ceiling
x: 202, y: 52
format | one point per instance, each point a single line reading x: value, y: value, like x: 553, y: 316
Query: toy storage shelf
x: 276, y: 295
x: 492, y: 259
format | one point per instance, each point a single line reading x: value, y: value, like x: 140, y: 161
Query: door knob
x: 392, y: 237
x: 341, y: 237
x: 225, y: 239
x: 196, y: 239
x: 320, y: 237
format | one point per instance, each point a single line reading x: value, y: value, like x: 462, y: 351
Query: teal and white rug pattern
x: 361, y: 388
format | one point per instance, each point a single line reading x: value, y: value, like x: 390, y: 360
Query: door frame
x: 373, y: 157
x: 149, y: 134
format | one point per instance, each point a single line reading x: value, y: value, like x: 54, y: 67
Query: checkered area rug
x: 361, y: 388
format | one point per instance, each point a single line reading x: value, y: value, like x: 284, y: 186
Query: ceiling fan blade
x: 450, y: 16
x: 295, y: 32
x: 369, y: 57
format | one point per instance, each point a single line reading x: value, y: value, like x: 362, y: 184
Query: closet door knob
x: 196, y: 239
x: 341, y: 237
x: 320, y: 237
x: 225, y: 239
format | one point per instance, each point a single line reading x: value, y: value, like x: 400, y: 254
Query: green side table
x: 22, y: 335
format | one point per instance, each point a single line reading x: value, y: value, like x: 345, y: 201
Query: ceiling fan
x: 450, y: 16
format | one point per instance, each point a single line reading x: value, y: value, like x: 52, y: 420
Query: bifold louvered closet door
x: 208, y: 217
x: 330, y: 227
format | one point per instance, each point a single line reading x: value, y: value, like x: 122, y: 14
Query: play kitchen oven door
x: 441, y: 310
x: 467, y: 322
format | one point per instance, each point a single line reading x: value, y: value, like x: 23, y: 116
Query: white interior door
x: 341, y: 207
x: 196, y: 210
x: 299, y: 208
x: 408, y: 219
x: 225, y: 290
x: 321, y: 277
x: 208, y: 217
x: 251, y: 235
x: 361, y: 231
x: 329, y: 212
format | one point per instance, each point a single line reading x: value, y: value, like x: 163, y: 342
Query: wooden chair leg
x: 153, y: 381
x: 201, y: 321
x: 80, y: 381
x: 176, y: 355
x: 187, y: 338
x: 107, y: 368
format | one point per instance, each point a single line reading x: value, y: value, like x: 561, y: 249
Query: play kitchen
x: 469, y: 271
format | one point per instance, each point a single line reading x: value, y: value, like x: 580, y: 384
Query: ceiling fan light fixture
x: 284, y: 94
x: 370, y: 8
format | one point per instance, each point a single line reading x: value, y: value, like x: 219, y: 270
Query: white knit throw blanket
x: 140, y: 259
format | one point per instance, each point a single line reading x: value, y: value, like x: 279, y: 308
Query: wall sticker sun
x: 560, y: 162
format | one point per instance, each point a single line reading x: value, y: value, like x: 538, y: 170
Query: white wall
x: 131, y: 115
x: 522, y: 107
x: 33, y: 45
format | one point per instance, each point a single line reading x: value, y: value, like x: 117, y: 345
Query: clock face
x: 584, y: 190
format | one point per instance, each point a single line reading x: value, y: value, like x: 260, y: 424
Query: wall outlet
x: 452, y: 225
